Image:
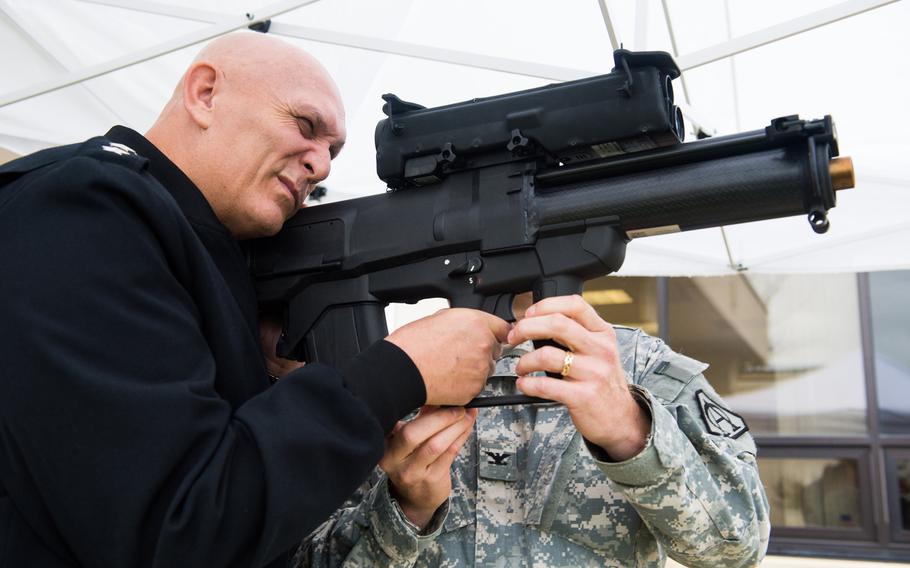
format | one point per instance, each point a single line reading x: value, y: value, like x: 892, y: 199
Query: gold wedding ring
x: 567, y: 363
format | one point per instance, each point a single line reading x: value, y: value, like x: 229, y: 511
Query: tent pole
x: 778, y: 32
x: 640, y: 39
x: 404, y: 49
x: 159, y: 9
x: 672, y: 32
x: 456, y: 57
x: 608, y: 22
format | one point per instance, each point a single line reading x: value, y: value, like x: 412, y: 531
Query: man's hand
x: 269, y: 333
x: 595, y: 390
x: 418, y: 459
x: 455, y: 351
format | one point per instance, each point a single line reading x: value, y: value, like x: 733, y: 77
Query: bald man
x: 139, y: 425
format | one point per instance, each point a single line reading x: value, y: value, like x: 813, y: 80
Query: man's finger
x: 498, y: 326
x: 573, y: 306
x: 398, y: 426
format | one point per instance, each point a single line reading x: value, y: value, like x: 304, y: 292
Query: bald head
x: 261, y: 58
x: 254, y: 123
x: 254, y: 61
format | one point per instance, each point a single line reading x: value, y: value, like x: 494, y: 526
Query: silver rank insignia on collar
x: 119, y: 149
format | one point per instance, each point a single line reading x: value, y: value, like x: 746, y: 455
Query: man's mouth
x: 292, y: 189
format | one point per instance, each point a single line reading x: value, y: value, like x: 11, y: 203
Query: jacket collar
x: 219, y: 242
x: 187, y: 195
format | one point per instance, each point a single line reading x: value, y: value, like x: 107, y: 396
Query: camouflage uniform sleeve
x: 370, y: 530
x: 696, y: 484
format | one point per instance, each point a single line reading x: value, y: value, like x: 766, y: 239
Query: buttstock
x: 339, y: 334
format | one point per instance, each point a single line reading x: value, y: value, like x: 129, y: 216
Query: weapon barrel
x: 715, y: 182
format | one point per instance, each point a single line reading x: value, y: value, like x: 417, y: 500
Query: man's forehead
x: 311, y: 86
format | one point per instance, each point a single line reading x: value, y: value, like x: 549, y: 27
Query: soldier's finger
x: 553, y: 359
x: 556, y: 326
x: 559, y: 390
x: 573, y: 306
x: 428, y: 423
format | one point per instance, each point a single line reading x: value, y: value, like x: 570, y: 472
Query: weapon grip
x: 343, y: 331
x: 499, y: 305
x: 544, y: 287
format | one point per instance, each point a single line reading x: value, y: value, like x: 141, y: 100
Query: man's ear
x: 199, y: 93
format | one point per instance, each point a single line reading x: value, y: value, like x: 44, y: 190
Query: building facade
x: 819, y: 366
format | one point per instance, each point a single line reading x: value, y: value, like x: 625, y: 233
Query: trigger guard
x: 500, y: 305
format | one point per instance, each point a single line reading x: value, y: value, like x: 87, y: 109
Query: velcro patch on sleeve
x: 719, y: 420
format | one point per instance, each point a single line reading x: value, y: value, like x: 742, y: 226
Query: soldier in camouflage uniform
x: 528, y: 489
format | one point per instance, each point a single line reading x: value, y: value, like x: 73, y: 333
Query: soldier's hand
x: 594, y: 390
x: 418, y: 459
x: 455, y: 351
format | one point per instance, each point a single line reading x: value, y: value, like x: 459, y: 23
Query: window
x: 902, y: 475
x: 629, y: 301
x: 898, y: 482
x: 891, y: 336
x: 785, y: 350
x: 794, y: 354
x: 813, y: 493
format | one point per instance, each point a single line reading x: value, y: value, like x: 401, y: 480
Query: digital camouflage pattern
x: 529, y: 492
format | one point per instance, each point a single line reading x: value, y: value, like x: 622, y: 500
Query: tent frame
x: 222, y: 23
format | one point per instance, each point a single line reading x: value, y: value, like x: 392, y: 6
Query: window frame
x: 880, y: 538
x: 866, y: 532
x: 899, y: 533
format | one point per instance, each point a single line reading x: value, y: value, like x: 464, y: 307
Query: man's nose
x: 318, y: 161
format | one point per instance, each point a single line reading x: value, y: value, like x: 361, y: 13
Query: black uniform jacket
x: 137, y: 424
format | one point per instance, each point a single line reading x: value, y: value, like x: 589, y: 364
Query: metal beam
x: 379, y: 45
x: 186, y: 40
x: 779, y: 32
x: 672, y: 32
x: 456, y: 57
x: 48, y: 44
x: 465, y: 58
x: 640, y: 39
x: 503, y: 65
x: 689, y: 61
x: 608, y: 21
x: 500, y: 64
x: 734, y: 82
x: 160, y: 9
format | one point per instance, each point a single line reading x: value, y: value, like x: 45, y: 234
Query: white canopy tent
x: 72, y: 68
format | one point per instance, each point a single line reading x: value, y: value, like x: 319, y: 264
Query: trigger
x: 500, y: 306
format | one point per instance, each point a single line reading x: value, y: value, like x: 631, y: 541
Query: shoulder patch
x: 719, y: 420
